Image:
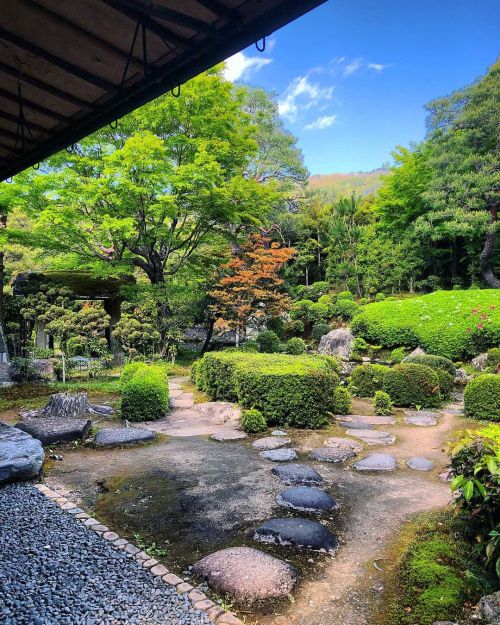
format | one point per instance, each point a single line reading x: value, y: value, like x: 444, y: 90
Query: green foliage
x: 345, y: 295
x: 318, y: 313
x: 382, y: 404
x: 319, y: 330
x: 475, y: 462
x: 295, y: 346
x: 23, y: 371
x: 250, y: 346
x: 342, y: 400
x: 129, y: 371
x: 379, y: 297
x: 397, y: 355
x: 288, y: 390
x: 434, y: 362
x: 367, y: 379
x: 453, y: 324
x: 493, y: 357
x: 253, y: 421
x: 409, y: 384
x: 446, y: 383
x: 482, y: 397
x: 268, y: 342
x: 294, y: 328
x: 277, y: 325
x: 318, y: 289
x: 345, y: 309
x: 144, y: 393
x: 136, y: 336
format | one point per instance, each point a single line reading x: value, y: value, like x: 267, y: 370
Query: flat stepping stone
x: 373, y: 437
x: 343, y: 444
x: 355, y: 425
x: 421, y: 420
x: 296, y: 474
x: 247, y: 574
x: 298, y: 533
x: 306, y: 499
x: 122, y: 436
x: 175, y: 393
x: 422, y: 413
x: 228, y: 435
x: 279, y: 455
x: 453, y: 410
x: 271, y: 442
x: 181, y: 403
x: 370, y: 419
x: 376, y: 462
x: 419, y: 463
x: 55, y: 430
x: 332, y: 454
x: 279, y: 433
x: 21, y: 455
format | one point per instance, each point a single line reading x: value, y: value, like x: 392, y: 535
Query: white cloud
x: 353, y: 67
x: 242, y: 67
x: 321, y: 123
x: 302, y: 94
x: 378, y: 67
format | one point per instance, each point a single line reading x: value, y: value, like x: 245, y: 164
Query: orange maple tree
x: 252, y: 286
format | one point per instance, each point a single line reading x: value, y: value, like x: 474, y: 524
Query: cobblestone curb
x: 198, y: 599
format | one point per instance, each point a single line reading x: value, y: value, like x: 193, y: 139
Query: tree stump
x: 68, y: 405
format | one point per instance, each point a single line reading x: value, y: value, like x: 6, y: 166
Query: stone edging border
x: 198, y: 599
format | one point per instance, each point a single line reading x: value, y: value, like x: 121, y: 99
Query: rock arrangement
x: 108, y: 437
x: 68, y: 406
x: 21, y: 455
x: 50, y: 430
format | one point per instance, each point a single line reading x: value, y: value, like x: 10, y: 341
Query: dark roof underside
x: 69, y: 68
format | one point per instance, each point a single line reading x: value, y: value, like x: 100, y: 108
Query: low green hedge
x: 434, y: 362
x: 288, y: 390
x: 482, y: 397
x: 454, y: 324
x: 129, y: 371
x: 409, y: 384
x: 367, y: 379
x: 144, y: 393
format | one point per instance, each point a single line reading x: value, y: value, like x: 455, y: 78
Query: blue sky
x: 352, y: 76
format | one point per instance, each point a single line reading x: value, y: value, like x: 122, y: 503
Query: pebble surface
x: 54, y: 570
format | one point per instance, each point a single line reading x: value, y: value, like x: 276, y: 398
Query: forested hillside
x: 360, y: 182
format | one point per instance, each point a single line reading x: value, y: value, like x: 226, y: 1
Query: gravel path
x: 54, y: 571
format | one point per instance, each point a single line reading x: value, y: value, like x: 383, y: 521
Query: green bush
x: 367, y: 379
x: 23, y: 370
x: 318, y: 313
x: 454, y: 324
x: 250, y: 346
x: 397, y: 355
x: 493, y: 357
x: 319, y: 330
x: 345, y: 295
x: 300, y: 309
x: 434, y: 362
x: 409, y: 384
x: 482, y: 397
x: 342, y: 401
x: 380, y: 297
x: 295, y: 346
x: 446, y: 383
x: 346, y: 309
x: 130, y: 370
x: 288, y: 390
x: 253, y: 421
x: 144, y: 394
x: 294, y: 328
x: 268, y: 342
x: 363, y: 301
x: 382, y: 404
x: 277, y: 325
x: 318, y: 289
x: 360, y: 345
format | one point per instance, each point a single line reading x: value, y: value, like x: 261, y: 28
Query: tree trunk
x: 485, y: 256
x: 208, y: 338
x: 68, y: 405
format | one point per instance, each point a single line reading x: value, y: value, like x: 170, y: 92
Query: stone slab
x: 123, y: 436
x: 332, y: 454
x: 419, y: 463
x: 21, y: 455
x: 229, y: 435
x: 306, y: 499
x: 343, y: 444
x: 370, y: 419
x: 271, y: 442
x: 55, y: 430
x: 297, y: 474
x: 376, y: 462
x: 421, y: 420
x: 298, y: 533
x: 279, y: 455
x: 373, y: 437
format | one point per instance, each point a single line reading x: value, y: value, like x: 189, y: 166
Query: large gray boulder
x: 247, y: 574
x: 480, y: 362
x: 21, y: 456
x: 55, y: 430
x: 337, y: 343
x: 297, y: 532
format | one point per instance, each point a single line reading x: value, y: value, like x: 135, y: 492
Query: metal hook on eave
x: 176, y: 91
x: 261, y: 46
x: 113, y: 125
x: 8, y: 180
x: 36, y: 167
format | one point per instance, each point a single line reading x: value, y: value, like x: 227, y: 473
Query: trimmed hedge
x: 454, y: 324
x: 129, y: 371
x: 144, y: 393
x: 367, y: 379
x: 253, y: 421
x: 409, y: 384
x: 288, y: 390
x: 482, y: 397
x: 268, y: 341
x: 295, y: 346
x: 434, y: 362
x: 382, y: 404
x: 342, y: 401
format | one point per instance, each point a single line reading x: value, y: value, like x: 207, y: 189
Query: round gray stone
x: 279, y: 433
x: 295, y: 474
x: 229, y: 435
x: 355, y: 425
x: 306, y: 499
x: 271, y: 442
x: 343, y: 444
x: 418, y: 463
x: 297, y: 532
x: 332, y: 454
x: 373, y: 437
x: 279, y: 455
x: 123, y: 436
x: 247, y: 574
x: 376, y: 462
x: 21, y: 455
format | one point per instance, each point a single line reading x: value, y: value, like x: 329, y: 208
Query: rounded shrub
x: 253, y: 421
x: 268, y: 342
x: 380, y: 297
x: 295, y: 346
x: 397, y: 355
x: 294, y: 328
x: 493, y: 357
x: 300, y: 309
x: 129, y: 371
x: 346, y: 309
x: 446, y: 383
x: 318, y: 289
x: 319, y: 330
x: 144, y: 394
x: 318, y: 312
x: 250, y: 346
x: 409, y: 384
x: 482, y: 397
x: 342, y: 400
x: 345, y: 295
x: 277, y: 325
x: 382, y: 404
x: 434, y: 362
x: 367, y: 379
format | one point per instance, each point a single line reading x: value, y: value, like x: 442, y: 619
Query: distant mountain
x: 361, y: 182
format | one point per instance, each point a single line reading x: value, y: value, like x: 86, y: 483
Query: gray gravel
x: 55, y: 571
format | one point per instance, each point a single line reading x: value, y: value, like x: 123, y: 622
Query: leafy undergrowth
x: 454, y: 324
x: 436, y: 577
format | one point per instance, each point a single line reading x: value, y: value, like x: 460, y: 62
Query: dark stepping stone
x: 373, y: 437
x: 418, y: 463
x: 376, y: 462
x: 123, y: 436
x: 297, y: 532
x: 228, y: 435
x: 306, y: 499
x: 278, y: 455
x: 55, y: 430
x: 295, y: 474
x: 246, y: 574
x: 355, y: 425
x: 271, y: 442
x: 332, y: 454
x: 21, y: 455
